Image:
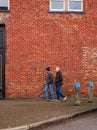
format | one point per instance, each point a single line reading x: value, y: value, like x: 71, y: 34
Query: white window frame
x: 75, y: 9
x: 7, y: 6
x: 57, y: 9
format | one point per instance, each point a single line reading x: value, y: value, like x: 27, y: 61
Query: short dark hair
x: 48, y: 68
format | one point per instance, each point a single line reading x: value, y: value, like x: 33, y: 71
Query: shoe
x: 52, y: 100
x: 57, y: 100
x: 64, y: 99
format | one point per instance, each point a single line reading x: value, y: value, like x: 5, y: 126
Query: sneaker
x: 57, y: 100
x: 64, y: 99
x: 52, y: 100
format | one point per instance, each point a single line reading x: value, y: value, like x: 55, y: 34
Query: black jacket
x: 49, y: 79
x: 58, y: 78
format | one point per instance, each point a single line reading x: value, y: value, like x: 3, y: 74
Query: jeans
x: 49, y: 86
x: 58, y: 92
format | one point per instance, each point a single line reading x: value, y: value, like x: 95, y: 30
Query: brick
x: 36, y: 39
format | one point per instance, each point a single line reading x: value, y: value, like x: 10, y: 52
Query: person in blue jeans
x: 49, y: 84
x: 59, y: 83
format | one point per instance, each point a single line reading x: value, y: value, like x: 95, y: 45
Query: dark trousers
x: 58, y: 92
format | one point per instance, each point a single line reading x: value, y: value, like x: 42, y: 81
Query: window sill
x: 67, y: 12
x: 5, y: 11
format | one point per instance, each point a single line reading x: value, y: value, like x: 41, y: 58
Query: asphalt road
x: 87, y: 122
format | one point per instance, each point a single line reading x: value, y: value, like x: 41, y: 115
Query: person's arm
x: 59, y: 77
x: 50, y: 78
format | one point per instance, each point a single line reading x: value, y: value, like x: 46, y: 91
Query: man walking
x: 59, y: 83
x: 49, y: 84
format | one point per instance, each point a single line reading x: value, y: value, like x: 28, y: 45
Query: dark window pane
x: 3, y: 4
x: 3, y: 8
x: 0, y: 71
x: 1, y: 37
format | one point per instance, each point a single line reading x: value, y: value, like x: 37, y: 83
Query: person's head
x: 47, y: 69
x: 57, y: 69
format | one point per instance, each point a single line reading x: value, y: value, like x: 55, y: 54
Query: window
x: 75, y: 5
x: 2, y: 35
x: 4, y: 5
x: 57, y: 5
x: 66, y: 5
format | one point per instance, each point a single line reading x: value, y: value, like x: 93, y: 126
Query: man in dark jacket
x: 59, y: 83
x: 49, y: 84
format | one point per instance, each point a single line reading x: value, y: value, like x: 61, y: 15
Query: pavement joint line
x: 26, y: 127
x: 52, y: 120
x: 60, y: 118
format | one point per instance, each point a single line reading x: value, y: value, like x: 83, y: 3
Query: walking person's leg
x: 61, y: 94
x: 51, y: 91
x: 46, y: 91
x: 57, y: 93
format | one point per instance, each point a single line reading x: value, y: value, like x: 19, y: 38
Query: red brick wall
x: 37, y: 39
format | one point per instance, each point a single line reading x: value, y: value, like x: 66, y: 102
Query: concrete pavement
x: 30, y: 114
x: 86, y: 122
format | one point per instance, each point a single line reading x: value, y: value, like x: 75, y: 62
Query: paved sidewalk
x: 29, y: 113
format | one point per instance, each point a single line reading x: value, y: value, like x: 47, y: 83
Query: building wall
x: 37, y: 39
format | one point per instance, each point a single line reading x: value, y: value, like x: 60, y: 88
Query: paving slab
x: 27, y: 114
